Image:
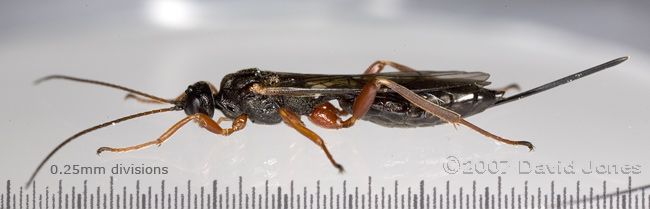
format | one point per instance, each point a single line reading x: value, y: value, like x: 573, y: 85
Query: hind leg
x: 378, y: 66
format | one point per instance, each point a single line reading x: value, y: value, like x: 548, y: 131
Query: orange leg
x: 203, y: 120
x: 293, y: 120
x: 327, y: 118
x: 377, y: 66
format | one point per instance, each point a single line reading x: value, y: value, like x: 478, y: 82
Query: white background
x: 160, y: 47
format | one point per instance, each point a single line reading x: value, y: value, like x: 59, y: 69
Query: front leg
x: 203, y: 120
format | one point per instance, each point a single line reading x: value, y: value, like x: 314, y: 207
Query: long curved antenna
x: 561, y: 81
x: 103, y: 84
x: 31, y: 179
x: 175, y: 107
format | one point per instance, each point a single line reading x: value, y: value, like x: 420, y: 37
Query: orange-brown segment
x: 327, y: 116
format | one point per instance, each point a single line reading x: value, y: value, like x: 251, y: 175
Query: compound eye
x: 192, y: 106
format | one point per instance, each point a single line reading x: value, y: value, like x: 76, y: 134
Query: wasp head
x: 198, y: 99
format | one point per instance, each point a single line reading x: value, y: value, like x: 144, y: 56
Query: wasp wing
x: 420, y: 81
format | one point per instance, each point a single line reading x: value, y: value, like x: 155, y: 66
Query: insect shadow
x: 407, y: 98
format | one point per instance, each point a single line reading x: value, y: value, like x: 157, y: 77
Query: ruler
x: 319, y: 196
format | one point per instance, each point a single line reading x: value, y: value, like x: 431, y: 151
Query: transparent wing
x: 420, y: 81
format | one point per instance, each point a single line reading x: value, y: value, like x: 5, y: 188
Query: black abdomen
x: 392, y: 110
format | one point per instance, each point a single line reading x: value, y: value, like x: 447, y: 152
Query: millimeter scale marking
x: 219, y: 198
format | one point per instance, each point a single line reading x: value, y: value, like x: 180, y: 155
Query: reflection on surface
x: 172, y: 14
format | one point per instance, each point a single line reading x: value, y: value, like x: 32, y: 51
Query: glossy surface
x: 461, y: 92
